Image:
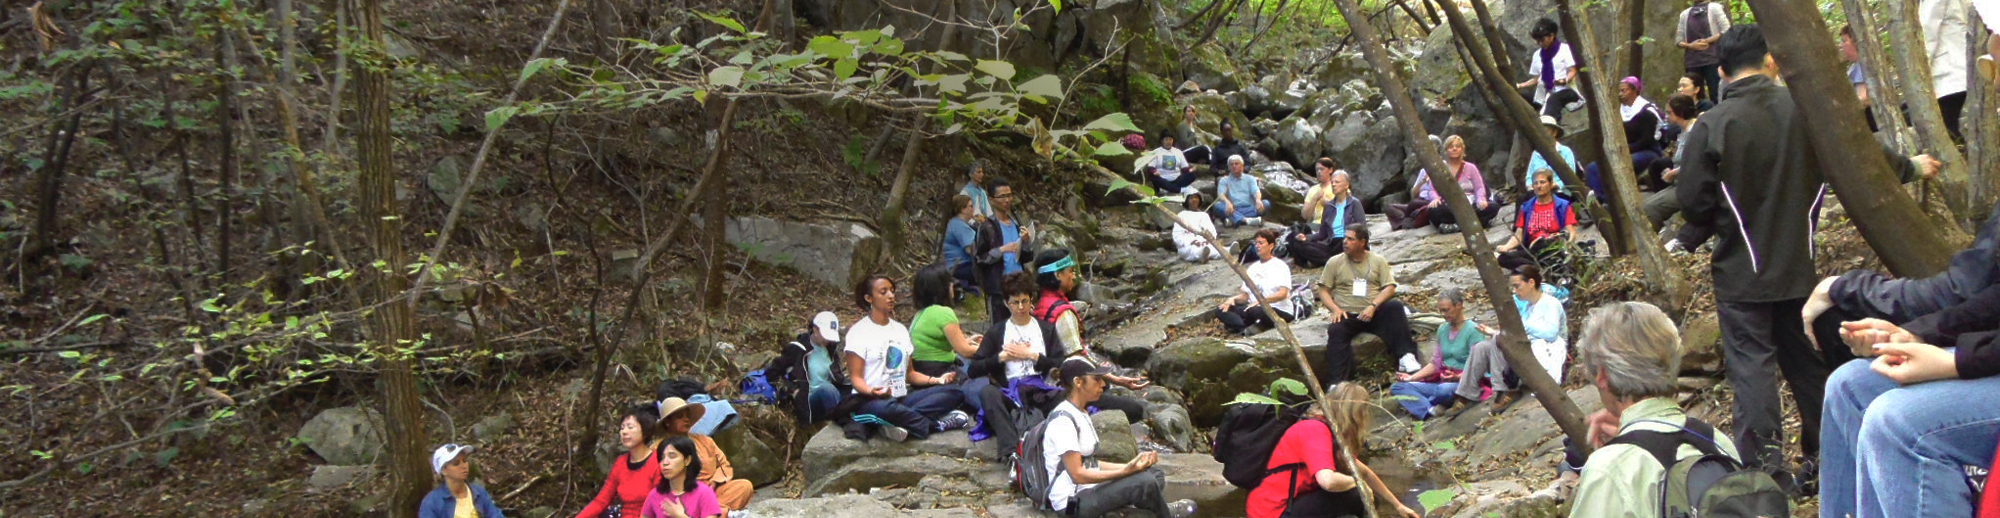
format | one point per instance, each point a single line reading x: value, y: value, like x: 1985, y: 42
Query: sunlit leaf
x: 724, y: 21
x: 952, y: 56
x: 1116, y: 122
x: 844, y: 68
x: 954, y: 83
x: 891, y: 47
x: 497, y: 117
x: 999, y: 69
x: 1288, y: 385
x: 732, y: 76
x: 1112, y: 149
x: 1436, y: 498
x: 538, y: 64
x: 1253, y: 399
x: 1057, y: 4
x: 831, y: 47
x: 1048, y: 86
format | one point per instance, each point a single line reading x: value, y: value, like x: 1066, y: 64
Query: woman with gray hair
x: 1439, y: 381
x: 1632, y: 352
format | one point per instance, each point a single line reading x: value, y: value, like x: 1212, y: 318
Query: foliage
x: 1279, y: 388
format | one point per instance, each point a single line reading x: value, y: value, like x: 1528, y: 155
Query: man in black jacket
x: 1228, y: 146
x: 1750, y: 174
x: 1003, y: 240
x: 813, y: 396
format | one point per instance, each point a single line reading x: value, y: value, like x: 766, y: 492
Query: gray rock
x: 1171, y: 426
x: 492, y: 427
x: 881, y: 472
x: 829, y: 450
x: 1115, y: 442
x: 1528, y: 425
x: 1207, y: 66
x: 345, y: 436
x: 1299, y: 140
x: 1198, y: 477
x: 1701, y: 344
x: 753, y: 460
x: 834, y: 253
x: 839, y: 506
x: 327, y: 478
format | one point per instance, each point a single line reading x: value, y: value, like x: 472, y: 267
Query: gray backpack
x: 1031, y: 473
x: 1710, y: 484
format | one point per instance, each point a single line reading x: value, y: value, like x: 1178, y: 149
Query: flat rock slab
x: 843, y: 506
x: 829, y: 450
x: 1527, y: 427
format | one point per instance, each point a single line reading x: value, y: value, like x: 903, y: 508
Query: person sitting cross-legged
x: 1241, y: 313
x: 1546, y: 324
x: 880, y: 369
x: 1358, y: 291
x: 1239, y: 197
x: 1439, y: 381
x: 1085, y: 487
x: 1544, y: 226
x: 1169, y: 172
x: 733, y: 493
x: 1337, y: 209
x: 1188, y: 240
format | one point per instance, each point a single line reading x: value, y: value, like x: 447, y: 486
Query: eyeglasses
x: 1022, y: 302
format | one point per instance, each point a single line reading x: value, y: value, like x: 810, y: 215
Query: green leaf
x: 1247, y: 398
x: 1048, y: 86
x: 1436, y: 498
x: 724, y: 21
x: 891, y: 47
x: 831, y: 47
x: 72, y: 355
x: 1120, y: 184
x: 497, y: 117
x: 1116, y: 122
x: 730, y: 76
x: 538, y: 64
x: 701, y: 96
x: 91, y: 319
x: 1111, y: 149
x: 951, y: 56
x: 953, y: 83
x: 844, y: 68
x: 741, y: 58
x: 166, y: 456
x: 1284, y: 385
x: 999, y: 69
x: 1056, y: 4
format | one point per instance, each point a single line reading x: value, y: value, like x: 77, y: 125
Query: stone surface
x: 1115, y: 442
x: 828, y: 450
x: 1701, y: 344
x: 1528, y: 426
x: 752, y: 459
x: 327, y: 478
x: 894, y: 471
x: 345, y: 436
x: 835, y: 253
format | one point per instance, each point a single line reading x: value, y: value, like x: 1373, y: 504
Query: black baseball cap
x: 1074, y: 367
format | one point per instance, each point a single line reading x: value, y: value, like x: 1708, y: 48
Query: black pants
x: 1757, y: 339
x: 1541, y: 253
x: 1952, y: 105
x: 1391, y: 323
x: 1711, y: 81
x: 1164, y: 187
x: 1247, y: 314
x: 1553, y: 107
x: 1443, y: 216
x: 1320, y: 503
x: 967, y: 282
x: 1007, y: 434
x: 1313, y: 254
x: 1196, y: 154
x: 1410, y: 215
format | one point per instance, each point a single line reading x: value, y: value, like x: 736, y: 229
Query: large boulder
x: 1211, y: 110
x: 829, y: 450
x: 1369, y: 144
x: 880, y: 472
x: 1701, y: 344
x: 345, y: 436
x: 1299, y: 140
x: 753, y: 460
x: 1207, y: 66
x: 835, y: 253
x: 1115, y: 441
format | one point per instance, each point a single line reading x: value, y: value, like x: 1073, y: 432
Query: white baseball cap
x: 445, y: 454
x: 828, y: 326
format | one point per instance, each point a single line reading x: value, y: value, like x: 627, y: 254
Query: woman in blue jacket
x: 457, y: 497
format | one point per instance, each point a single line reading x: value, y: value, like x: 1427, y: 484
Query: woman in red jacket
x: 635, y: 473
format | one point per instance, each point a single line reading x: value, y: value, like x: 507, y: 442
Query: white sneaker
x: 1255, y: 222
x: 895, y: 433
x: 1408, y: 363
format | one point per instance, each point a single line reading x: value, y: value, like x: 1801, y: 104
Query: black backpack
x: 1031, y: 473
x: 1709, y: 484
x: 1248, y: 433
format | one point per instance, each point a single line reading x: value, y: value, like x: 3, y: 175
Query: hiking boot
x: 1457, y: 405
x: 1408, y: 364
x: 1504, y: 400
x: 1182, y: 508
x: 955, y: 420
x: 1447, y: 228
x: 895, y: 433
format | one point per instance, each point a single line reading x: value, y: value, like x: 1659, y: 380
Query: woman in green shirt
x: 939, y: 343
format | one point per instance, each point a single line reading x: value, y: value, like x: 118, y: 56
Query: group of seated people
x: 1467, y: 362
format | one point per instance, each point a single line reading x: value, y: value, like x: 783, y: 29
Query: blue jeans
x: 1426, y: 395
x: 1886, y: 447
x: 1243, y: 211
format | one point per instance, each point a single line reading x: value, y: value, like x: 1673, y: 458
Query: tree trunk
x: 1502, y: 61
x: 1913, y: 63
x: 891, y: 221
x: 1883, y: 97
x: 225, y: 210
x: 1514, y: 345
x: 392, y: 325
x: 1981, y: 125
x: 715, y: 222
x: 1662, y: 274
x: 1588, y: 62
x: 55, y: 158
x: 1893, y: 225
x: 1635, y: 55
x: 603, y: 22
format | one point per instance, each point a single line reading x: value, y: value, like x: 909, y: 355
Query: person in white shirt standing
x: 1241, y: 313
x: 1085, y: 487
x: 1552, y: 67
x: 1944, y: 28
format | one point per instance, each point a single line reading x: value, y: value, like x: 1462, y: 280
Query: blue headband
x: 1057, y: 266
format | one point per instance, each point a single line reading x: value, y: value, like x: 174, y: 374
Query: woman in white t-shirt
x: 1190, y: 244
x: 1092, y: 487
x: 880, y: 368
x: 1241, y: 312
x: 1169, y: 171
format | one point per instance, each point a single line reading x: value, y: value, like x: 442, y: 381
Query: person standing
x: 1749, y: 173
x: 1701, y: 24
x: 959, y: 236
x: 1552, y: 67
x: 1943, y: 23
x: 1001, y: 242
x: 975, y: 175
x: 1359, y: 293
